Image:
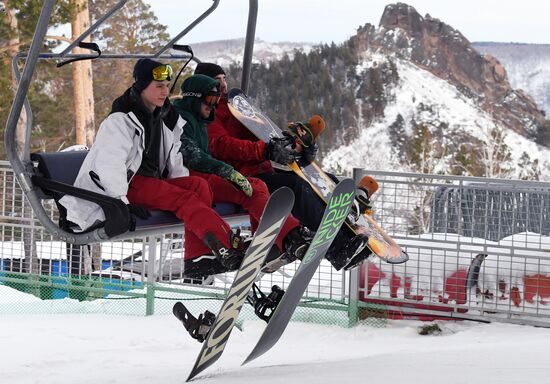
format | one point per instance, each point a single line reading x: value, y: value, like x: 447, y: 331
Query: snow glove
x: 137, y: 211
x: 280, y: 151
x: 240, y: 182
x: 308, y: 154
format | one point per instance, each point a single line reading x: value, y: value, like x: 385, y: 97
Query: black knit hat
x: 209, y: 69
x: 143, y: 73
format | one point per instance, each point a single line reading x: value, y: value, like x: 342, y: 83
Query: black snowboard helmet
x: 209, y: 69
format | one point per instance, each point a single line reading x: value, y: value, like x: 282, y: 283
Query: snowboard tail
x: 275, y: 213
x: 338, y: 208
x: 474, y: 270
x: 378, y: 241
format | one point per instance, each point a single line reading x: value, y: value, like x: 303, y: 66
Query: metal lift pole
x: 22, y: 89
x: 249, y: 44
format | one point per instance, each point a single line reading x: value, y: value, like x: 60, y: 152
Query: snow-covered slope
x: 527, y: 65
x: 416, y: 89
x: 77, y: 348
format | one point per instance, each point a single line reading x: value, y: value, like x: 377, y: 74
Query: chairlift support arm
x: 189, y: 27
x: 93, y: 27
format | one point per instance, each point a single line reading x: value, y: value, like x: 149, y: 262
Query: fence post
x: 353, y: 306
x: 150, y: 296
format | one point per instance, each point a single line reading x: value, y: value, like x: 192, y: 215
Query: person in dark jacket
x: 200, y: 96
x: 230, y: 141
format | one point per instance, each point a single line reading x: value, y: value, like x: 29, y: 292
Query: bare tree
x: 495, y: 156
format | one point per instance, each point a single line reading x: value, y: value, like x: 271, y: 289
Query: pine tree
x: 462, y: 161
x: 133, y: 29
x: 398, y: 137
x: 543, y: 134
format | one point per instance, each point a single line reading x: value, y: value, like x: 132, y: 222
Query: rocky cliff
x: 437, y: 47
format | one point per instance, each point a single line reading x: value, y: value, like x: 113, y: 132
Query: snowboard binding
x: 264, y: 305
x: 366, y: 187
x: 306, y: 133
x: 197, y: 328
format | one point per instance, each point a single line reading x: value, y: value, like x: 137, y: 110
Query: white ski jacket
x: 115, y: 158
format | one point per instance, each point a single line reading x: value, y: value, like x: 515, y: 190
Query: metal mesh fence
x: 39, y: 274
x: 446, y: 224
x: 449, y: 225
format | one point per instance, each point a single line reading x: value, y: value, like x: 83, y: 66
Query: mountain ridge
x: 519, y: 67
x: 415, y: 89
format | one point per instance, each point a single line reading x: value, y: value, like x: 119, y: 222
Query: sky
x: 325, y: 21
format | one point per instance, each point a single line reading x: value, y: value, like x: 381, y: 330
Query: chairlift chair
x: 54, y: 173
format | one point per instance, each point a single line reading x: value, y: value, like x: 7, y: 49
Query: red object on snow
x: 454, y: 290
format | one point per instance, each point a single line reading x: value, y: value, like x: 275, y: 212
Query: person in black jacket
x: 231, y: 142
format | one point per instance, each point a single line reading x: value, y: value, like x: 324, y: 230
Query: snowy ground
x: 130, y: 349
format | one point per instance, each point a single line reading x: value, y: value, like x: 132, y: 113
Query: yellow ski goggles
x: 163, y: 72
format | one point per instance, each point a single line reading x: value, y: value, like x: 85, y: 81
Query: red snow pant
x: 226, y: 192
x: 190, y: 198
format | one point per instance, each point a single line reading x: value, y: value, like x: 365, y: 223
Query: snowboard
x: 474, y: 270
x: 337, y: 210
x: 378, y: 241
x: 275, y: 213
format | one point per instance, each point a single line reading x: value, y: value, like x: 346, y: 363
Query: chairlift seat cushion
x: 60, y: 166
x: 163, y: 217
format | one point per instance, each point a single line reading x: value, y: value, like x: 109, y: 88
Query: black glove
x: 280, y: 151
x: 308, y: 154
x: 138, y: 211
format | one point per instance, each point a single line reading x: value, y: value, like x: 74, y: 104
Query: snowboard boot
x: 199, y: 327
x: 297, y: 241
x: 230, y: 258
x: 358, y: 258
x: 274, y: 260
x: 264, y: 305
x: 295, y: 245
x: 366, y: 187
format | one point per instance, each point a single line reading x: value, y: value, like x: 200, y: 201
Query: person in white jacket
x: 136, y: 159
